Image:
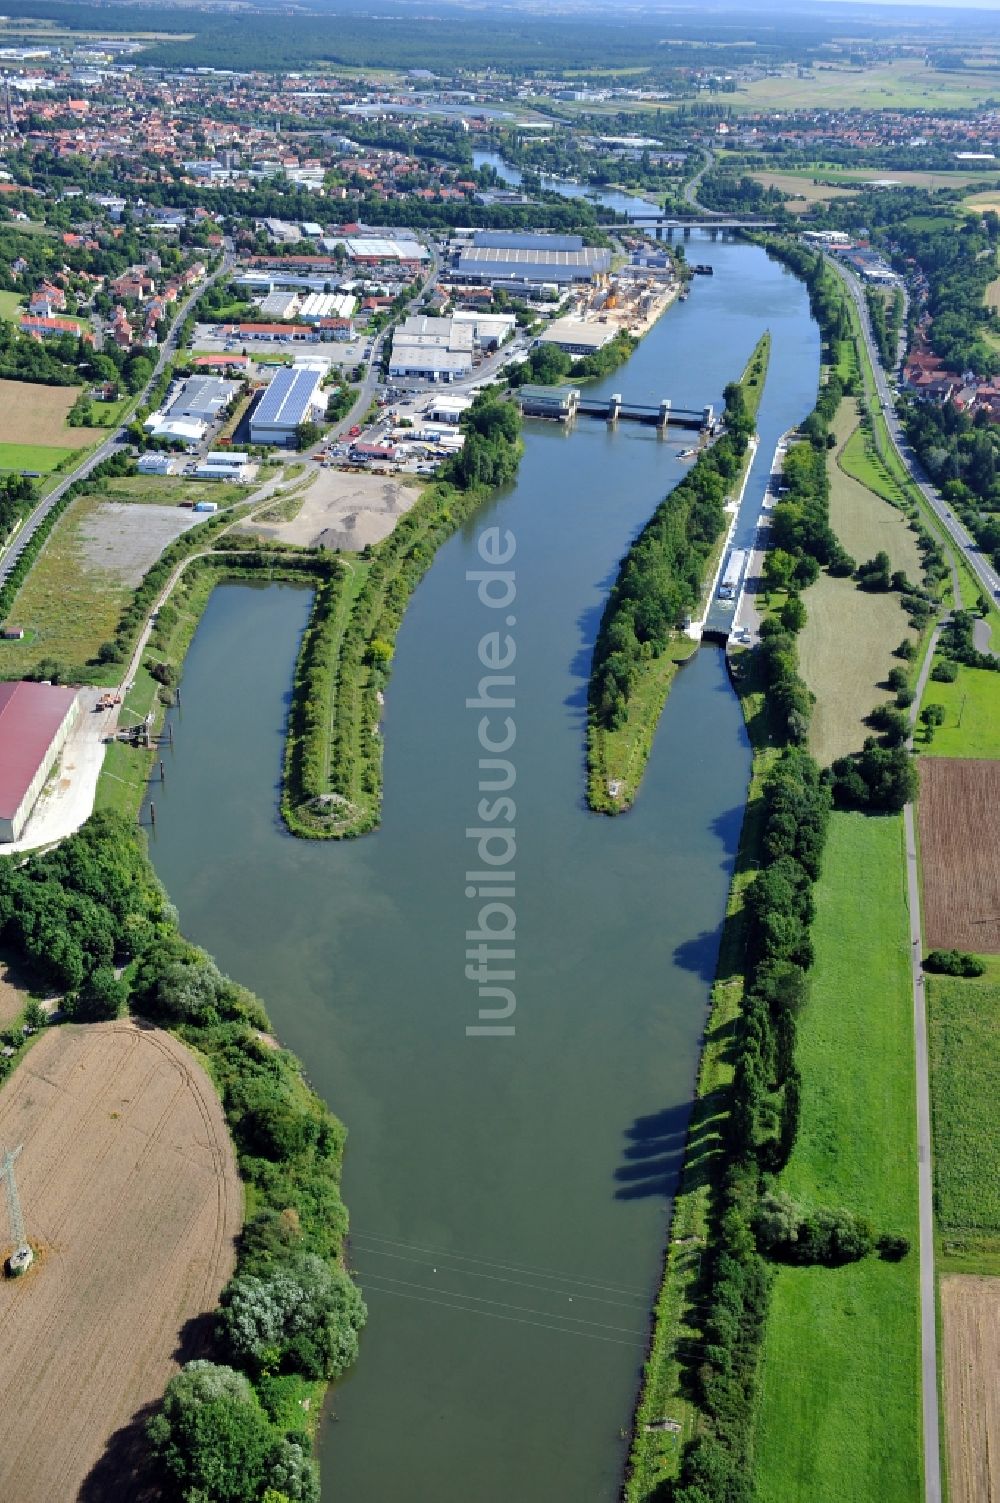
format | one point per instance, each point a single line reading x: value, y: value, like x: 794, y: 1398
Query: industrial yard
x: 344, y: 510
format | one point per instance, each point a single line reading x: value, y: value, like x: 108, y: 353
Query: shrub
x: 303, y: 1317
x: 954, y: 963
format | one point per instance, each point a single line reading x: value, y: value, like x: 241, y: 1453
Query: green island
x: 662, y: 580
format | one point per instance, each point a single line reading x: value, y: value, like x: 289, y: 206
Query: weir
x: 564, y: 404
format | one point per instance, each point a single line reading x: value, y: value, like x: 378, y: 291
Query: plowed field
x: 132, y: 1202
x: 970, y: 1312
x: 959, y: 811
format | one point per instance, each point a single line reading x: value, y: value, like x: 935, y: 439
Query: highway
x: 985, y: 574
x: 112, y: 444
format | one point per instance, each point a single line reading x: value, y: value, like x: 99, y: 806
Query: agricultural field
x: 971, y: 715
x: 36, y: 415
x: 862, y: 520
x: 970, y: 1317
x: 72, y: 598
x: 959, y: 818
x: 964, y: 1036
x: 802, y: 190
x: 845, y: 654
x: 839, y: 1407
x: 907, y: 83
x: 132, y: 1203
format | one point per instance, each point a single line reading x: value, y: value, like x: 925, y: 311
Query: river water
x: 509, y: 1196
x: 611, y: 198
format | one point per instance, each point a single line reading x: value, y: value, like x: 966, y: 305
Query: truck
x: 734, y: 573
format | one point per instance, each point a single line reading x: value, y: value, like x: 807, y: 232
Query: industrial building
x: 202, y: 398
x: 498, y: 256
x: 35, y: 720
x: 226, y: 464
x: 577, y: 336
x: 432, y: 349
x: 294, y: 396
x: 489, y: 330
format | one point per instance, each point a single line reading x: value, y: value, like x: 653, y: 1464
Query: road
x: 925, y: 1186
x: 986, y: 576
x: 691, y: 188
x: 111, y: 444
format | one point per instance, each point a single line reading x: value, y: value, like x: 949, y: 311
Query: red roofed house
x: 50, y: 328
x: 35, y: 720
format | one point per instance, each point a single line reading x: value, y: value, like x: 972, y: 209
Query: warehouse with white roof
x: 294, y: 396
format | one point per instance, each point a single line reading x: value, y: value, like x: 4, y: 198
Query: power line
x: 541, y: 1273
x: 476, y: 1299
x: 510, y: 1319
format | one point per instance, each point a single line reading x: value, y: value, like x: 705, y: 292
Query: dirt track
x: 959, y: 812
x: 970, y: 1314
x: 132, y: 1201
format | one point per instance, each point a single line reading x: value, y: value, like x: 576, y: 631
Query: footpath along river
x: 509, y: 1196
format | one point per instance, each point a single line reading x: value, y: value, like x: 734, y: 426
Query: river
x: 509, y: 1196
x: 610, y: 198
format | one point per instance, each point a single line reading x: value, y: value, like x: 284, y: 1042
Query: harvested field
x: 132, y: 1201
x: 31, y: 414
x: 864, y: 522
x: 342, y: 510
x: 959, y: 813
x: 804, y: 192
x: 845, y: 653
x: 970, y: 1315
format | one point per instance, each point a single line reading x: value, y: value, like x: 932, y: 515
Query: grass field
x: 845, y: 652
x: 964, y: 1034
x: 171, y: 490
x: 71, y: 600
x: 862, y: 520
x: 11, y: 305
x: 804, y: 192
x: 972, y: 715
x: 34, y: 456
x: 132, y: 1203
x: 838, y: 1413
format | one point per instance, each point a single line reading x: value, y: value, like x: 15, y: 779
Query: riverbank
x: 638, y: 648
x: 288, y: 1147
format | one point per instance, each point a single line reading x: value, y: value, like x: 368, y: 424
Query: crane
x: 21, y: 1258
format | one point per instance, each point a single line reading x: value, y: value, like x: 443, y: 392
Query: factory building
x: 35, y: 720
x: 293, y: 397
x: 577, y: 336
x: 497, y: 256
x: 202, y: 398
x: 432, y: 349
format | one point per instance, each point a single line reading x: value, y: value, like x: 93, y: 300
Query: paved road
x: 925, y: 1186
x: 985, y: 574
x: 691, y: 188
x: 111, y: 444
